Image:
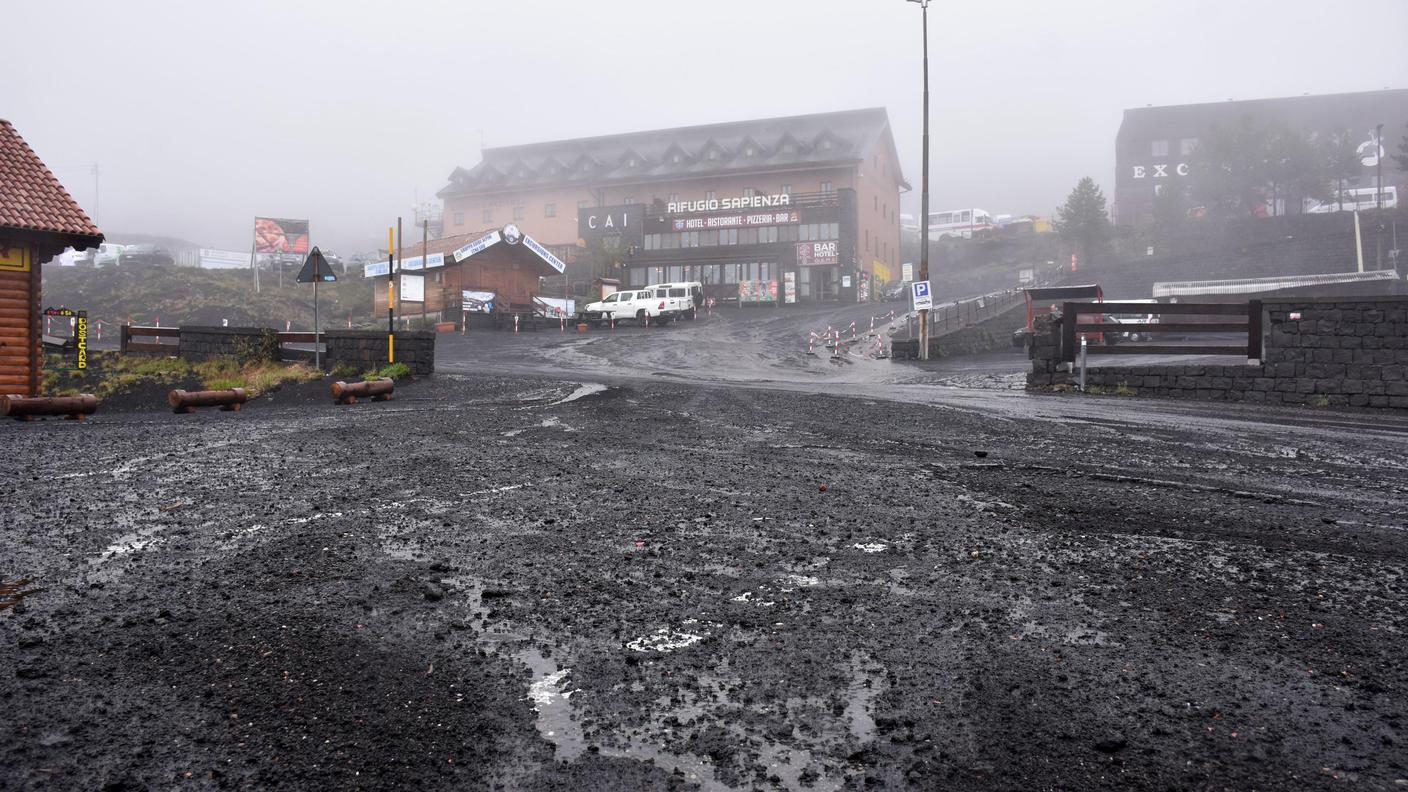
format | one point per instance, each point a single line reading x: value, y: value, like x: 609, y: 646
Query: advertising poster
x: 790, y: 287
x: 477, y: 301
x: 275, y: 235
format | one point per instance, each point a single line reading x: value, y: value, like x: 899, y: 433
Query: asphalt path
x: 695, y: 557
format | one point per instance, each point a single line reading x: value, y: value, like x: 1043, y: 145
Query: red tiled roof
x: 30, y: 197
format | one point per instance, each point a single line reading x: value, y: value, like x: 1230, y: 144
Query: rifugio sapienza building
x: 1154, y: 146
x: 795, y: 209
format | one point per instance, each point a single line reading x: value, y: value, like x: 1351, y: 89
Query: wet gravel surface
x: 592, y: 582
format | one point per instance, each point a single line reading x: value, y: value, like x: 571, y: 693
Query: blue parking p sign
x: 923, y: 298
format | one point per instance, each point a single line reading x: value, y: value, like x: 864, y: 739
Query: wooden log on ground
x: 186, y: 401
x: 349, y: 392
x: 25, y: 408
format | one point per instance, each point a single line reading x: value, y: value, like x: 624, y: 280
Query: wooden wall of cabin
x: 21, y: 342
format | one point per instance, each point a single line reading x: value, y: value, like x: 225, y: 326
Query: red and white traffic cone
x: 349, y: 321
x: 158, y: 321
x: 288, y: 325
x: 853, y: 331
x: 48, y: 325
x: 562, y: 320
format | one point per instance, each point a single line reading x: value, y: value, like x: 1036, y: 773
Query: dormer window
x: 675, y: 159
x: 788, y: 148
x: 713, y: 154
x: 749, y: 151
x: 631, y: 163
x: 826, y: 145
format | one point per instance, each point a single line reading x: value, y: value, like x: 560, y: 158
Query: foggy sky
x: 203, y: 115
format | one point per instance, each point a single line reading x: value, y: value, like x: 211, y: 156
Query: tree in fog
x: 1294, y: 167
x: 1226, y: 169
x: 1244, y: 170
x: 1083, y: 221
x: 1170, y: 206
x: 1342, y: 161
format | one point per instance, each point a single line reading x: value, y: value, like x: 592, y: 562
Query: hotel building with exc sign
x: 796, y: 209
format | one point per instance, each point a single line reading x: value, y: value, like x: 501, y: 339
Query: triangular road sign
x: 316, y: 268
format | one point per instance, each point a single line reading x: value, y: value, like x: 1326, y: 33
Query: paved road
x: 551, y: 568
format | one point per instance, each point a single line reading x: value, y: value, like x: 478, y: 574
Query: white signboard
x: 543, y: 253
x: 428, y: 262
x: 412, y: 288
x: 1026, y: 275
x: 923, y: 298
x: 908, y: 269
x: 223, y: 259
x: 491, y: 238
x: 377, y: 268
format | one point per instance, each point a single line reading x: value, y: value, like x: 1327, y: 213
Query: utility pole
x: 1379, y: 197
x: 924, y: 192
x: 425, y: 266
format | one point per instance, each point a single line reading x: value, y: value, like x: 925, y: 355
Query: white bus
x: 960, y: 224
x: 1349, y: 200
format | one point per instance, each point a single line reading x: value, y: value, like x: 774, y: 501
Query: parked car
x: 107, y: 255
x: 897, y: 292
x: 654, y: 303
x: 145, y: 254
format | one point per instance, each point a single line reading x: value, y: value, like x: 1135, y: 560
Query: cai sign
x: 818, y: 254
x: 609, y: 220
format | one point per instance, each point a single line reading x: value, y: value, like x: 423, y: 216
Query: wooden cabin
x: 38, y: 219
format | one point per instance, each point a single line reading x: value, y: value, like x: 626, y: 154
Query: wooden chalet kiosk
x: 38, y: 219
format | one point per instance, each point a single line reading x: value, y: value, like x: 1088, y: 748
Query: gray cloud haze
x: 202, y: 115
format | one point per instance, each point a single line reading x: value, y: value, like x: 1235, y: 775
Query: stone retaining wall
x: 987, y: 335
x: 1326, y: 352
x: 361, y: 349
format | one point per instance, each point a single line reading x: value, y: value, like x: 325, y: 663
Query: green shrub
x: 396, y: 371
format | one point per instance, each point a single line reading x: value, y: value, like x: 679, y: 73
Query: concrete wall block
x: 1305, y: 385
x: 1351, y: 386
x: 1398, y: 401
x: 1396, y: 373
x: 1396, y: 388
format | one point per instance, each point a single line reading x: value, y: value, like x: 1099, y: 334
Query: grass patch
x: 344, y: 369
x: 111, y: 373
x: 395, y: 371
x: 1123, y: 390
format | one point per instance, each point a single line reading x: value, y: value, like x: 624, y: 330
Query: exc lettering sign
x: 1160, y: 171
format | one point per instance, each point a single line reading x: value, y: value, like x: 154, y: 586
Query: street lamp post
x: 924, y: 191
x: 1379, y: 196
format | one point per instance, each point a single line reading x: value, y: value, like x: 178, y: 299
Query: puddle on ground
x: 583, y: 390
x: 551, y: 696
x: 13, y: 591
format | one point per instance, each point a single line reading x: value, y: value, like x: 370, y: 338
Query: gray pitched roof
x: 685, y: 152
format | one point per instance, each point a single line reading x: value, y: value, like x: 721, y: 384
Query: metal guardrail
x: 1249, y: 314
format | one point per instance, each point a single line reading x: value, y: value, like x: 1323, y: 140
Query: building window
x: 867, y: 240
x: 1160, y: 148
x: 749, y: 151
x: 517, y: 213
x: 826, y: 187
x: 459, y: 218
x: 712, y: 154
x: 786, y: 189
x: 1186, y: 146
x: 674, y: 198
x: 709, y: 196
x: 582, y: 204
x: 749, y: 192
x: 877, y: 203
x: 629, y: 199
x: 826, y: 145
x: 488, y: 215
x: 549, y: 210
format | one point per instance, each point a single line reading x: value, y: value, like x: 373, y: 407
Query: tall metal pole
x: 1379, y: 197
x: 425, y: 267
x: 391, y: 294
x: 924, y: 194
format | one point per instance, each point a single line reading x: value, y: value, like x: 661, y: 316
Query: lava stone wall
x: 206, y: 343
x: 1008, y: 315
x: 363, y: 349
x: 1337, y: 351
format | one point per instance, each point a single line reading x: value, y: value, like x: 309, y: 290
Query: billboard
x: 274, y: 235
x: 223, y: 259
x: 412, y: 288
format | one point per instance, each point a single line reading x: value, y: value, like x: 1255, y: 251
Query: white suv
x: 657, y: 303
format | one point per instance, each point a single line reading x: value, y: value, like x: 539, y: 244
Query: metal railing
x: 1247, y: 321
x: 133, y: 347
